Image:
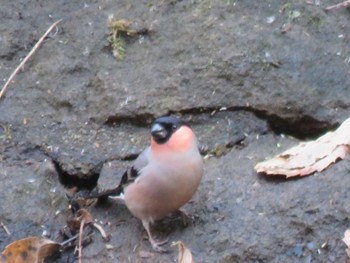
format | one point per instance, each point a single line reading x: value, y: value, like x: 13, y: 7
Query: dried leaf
x: 29, y: 250
x: 75, y: 221
x: 312, y: 156
x: 346, y: 240
x: 185, y: 255
x: 84, y: 214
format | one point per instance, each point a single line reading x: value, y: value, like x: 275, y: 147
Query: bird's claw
x: 156, y: 245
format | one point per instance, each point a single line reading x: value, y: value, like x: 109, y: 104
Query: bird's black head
x: 163, y: 127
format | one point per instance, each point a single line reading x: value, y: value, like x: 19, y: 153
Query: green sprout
x: 118, y: 29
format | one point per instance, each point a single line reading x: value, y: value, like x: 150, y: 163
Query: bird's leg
x: 156, y: 245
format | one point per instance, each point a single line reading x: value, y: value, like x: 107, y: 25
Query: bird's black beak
x: 158, y: 132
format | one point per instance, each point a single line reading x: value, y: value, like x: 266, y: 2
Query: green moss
x: 286, y: 7
x: 119, y: 27
x: 6, y: 133
x: 314, y: 21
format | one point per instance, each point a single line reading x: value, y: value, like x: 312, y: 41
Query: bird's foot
x: 156, y: 245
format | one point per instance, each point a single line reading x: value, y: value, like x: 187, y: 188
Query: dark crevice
x: 83, y: 176
x: 87, y: 180
x: 74, y: 174
x: 301, y: 127
x: 304, y: 127
x: 140, y: 120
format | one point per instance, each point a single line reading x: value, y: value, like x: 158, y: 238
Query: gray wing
x: 133, y: 172
x: 128, y: 177
x: 142, y: 160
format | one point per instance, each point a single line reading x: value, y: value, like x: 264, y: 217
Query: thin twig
x: 342, y: 4
x: 80, y: 249
x: 6, y: 229
x: 102, y: 231
x: 27, y: 58
x: 69, y: 240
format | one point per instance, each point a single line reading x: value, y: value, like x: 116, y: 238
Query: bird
x: 164, y: 177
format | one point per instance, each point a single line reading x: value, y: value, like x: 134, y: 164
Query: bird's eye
x: 174, y: 127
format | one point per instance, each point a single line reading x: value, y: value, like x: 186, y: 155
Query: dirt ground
x: 252, y: 77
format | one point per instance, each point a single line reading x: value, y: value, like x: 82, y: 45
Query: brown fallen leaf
x: 312, y: 156
x: 74, y: 221
x: 29, y: 250
x: 185, y: 255
x: 346, y: 240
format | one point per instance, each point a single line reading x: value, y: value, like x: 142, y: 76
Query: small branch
x: 27, y: 58
x: 102, y: 231
x: 342, y: 4
x: 69, y: 240
x: 6, y: 229
x: 80, y: 249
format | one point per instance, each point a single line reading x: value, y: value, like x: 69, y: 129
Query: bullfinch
x: 164, y: 176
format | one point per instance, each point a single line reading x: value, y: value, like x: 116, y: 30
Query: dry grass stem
x: 102, y: 231
x: 27, y: 58
x: 80, y: 248
x: 5, y: 228
x: 342, y: 4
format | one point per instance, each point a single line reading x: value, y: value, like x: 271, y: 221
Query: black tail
x: 106, y: 193
x: 119, y: 189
